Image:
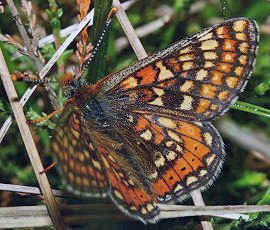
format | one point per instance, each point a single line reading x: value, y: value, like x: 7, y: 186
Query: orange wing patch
x: 147, y: 75
x: 187, y: 155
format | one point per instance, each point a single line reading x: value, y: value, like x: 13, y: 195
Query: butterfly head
x: 70, y: 84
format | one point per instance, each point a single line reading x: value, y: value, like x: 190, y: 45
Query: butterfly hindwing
x: 185, y: 155
x: 126, y: 191
x: 77, y: 156
x: 92, y: 166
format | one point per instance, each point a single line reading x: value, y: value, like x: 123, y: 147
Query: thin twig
x: 29, y: 144
x: 198, y: 201
x: 30, y: 49
x: 26, y: 39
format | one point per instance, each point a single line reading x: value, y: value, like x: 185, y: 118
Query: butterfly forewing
x: 197, y: 78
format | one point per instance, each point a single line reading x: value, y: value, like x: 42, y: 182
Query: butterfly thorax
x: 89, y: 105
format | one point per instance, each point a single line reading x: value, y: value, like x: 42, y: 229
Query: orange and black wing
x: 77, y: 157
x: 198, y: 77
x: 186, y: 155
x: 127, y: 191
x: 93, y: 164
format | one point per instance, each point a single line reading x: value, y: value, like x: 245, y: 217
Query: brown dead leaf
x: 83, y: 7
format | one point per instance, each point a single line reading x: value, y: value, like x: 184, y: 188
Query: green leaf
x: 243, y: 106
x: 48, y: 50
x: 263, y: 87
x: 32, y: 115
x: 250, y: 179
x: 2, y: 106
x: 66, y: 55
x: 266, y: 197
x: 60, y: 13
x: 96, y: 69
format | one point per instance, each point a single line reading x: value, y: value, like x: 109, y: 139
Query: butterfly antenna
x: 17, y: 76
x: 106, y: 27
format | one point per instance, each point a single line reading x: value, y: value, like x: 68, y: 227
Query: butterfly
x: 143, y: 135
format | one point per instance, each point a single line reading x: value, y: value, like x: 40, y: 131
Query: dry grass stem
x: 166, y: 208
x: 129, y: 31
x: 198, y: 201
x: 149, y: 28
x: 29, y: 143
x: 37, y: 216
x: 24, y: 217
x: 174, y: 211
x: 32, y: 190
